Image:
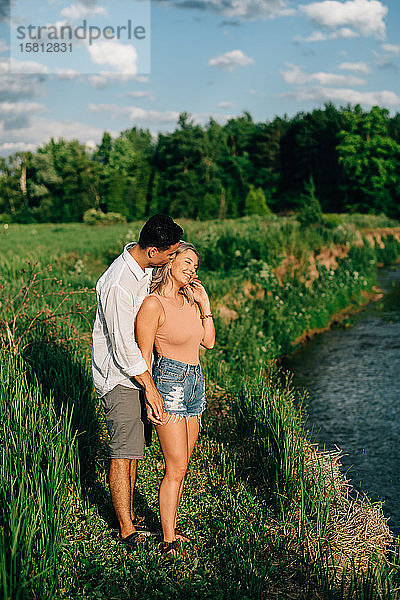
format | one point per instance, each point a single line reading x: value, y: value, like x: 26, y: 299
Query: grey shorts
x: 123, y: 411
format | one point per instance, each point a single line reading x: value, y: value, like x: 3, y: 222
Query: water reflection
x: 353, y: 377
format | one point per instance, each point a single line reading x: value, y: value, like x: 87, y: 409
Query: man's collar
x: 133, y: 265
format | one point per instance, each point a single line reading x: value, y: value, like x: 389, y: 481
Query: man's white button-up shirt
x: 116, y: 357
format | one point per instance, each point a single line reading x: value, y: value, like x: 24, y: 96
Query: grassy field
x: 266, y: 506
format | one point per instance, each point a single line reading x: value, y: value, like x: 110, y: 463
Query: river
x: 353, y: 379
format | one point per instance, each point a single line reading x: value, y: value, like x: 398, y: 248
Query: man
x: 119, y: 370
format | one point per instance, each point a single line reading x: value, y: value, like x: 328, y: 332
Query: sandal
x: 133, y: 540
x: 184, y: 537
x: 142, y: 528
x: 169, y: 548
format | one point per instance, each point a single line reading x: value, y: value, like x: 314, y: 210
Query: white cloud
x: 3, y: 47
x: 11, y: 147
x: 365, y: 17
x: 230, y: 60
x: 136, y: 113
x: 142, y: 79
x: 225, y: 104
x: 246, y: 10
x: 357, y: 67
x: 68, y: 74
x: 26, y: 67
x: 142, y: 94
x: 345, y: 96
x: 90, y: 145
x: 392, y: 49
x: 17, y: 87
x: 295, y: 75
x: 123, y: 58
x: 18, y: 108
x: 390, y: 52
x: 315, y: 36
x: 80, y: 11
x: 100, y: 81
x: 155, y: 118
x: 39, y: 131
x: 18, y: 115
x: 320, y: 36
x: 105, y: 78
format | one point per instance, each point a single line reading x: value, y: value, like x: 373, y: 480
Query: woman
x: 175, y: 319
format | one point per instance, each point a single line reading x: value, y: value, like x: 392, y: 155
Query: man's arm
x: 118, y: 311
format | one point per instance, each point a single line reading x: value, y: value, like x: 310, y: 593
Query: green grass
x: 39, y: 474
x: 249, y: 495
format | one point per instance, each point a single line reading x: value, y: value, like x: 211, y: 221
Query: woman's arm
x: 147, y: 323
x: 201, y: 297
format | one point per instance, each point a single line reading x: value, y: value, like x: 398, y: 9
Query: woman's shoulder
x: 152, y: 302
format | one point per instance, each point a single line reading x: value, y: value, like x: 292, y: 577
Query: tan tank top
x: 180, y: 335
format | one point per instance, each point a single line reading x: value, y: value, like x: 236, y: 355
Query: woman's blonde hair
x: 162, y: 276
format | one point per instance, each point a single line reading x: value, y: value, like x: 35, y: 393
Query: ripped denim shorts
x: 181, y: 386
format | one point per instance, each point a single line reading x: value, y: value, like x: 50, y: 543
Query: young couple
x: 136, y: 313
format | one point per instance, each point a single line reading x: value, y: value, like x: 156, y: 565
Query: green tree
x: 11, y: 196
x: 179, y: 161
x: 370, y: 159
x: 116, y: 201
x: 311, y: 211
x: 129, y: 165
x: 255, y: 203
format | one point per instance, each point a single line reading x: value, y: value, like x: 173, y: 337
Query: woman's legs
x: 177, y: 440
x: 192, y: 427
x: 173, y: 441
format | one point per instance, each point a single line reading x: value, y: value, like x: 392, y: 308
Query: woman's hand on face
x: 199, y: 293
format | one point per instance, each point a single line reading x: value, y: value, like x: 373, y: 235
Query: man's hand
x: 153, y: 398
x: 154, y: 406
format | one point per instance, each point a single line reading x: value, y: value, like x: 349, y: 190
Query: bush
x: 5, y: 218
x: 311, y: 211
x: 97, y: 217
x: 255, y: 203
x: 332, y: 220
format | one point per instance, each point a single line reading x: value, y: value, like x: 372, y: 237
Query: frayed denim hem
x: 176, y: 417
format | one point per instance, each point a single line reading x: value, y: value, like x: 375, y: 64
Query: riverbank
x: 254, y: 496
x: 351, y: 375
x: 376, y: 239
x: 342, y: 317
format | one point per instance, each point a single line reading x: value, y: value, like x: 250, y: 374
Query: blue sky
x: 208, y: 57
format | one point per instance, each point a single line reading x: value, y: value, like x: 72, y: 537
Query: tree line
x: 347, y: 156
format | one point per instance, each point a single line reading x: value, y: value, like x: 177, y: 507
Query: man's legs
x: 120, y: 487
x: 132, y: 476
x: 122, y: 411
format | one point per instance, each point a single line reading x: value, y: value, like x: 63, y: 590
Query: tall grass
x: 39, y: 483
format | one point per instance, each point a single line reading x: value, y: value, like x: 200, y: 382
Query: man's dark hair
x: 161, y: 232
